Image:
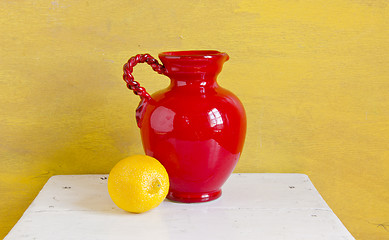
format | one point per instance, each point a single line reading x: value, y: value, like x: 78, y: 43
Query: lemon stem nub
x: 155, y: 186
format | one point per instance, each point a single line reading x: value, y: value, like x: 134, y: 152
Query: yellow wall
x: 313, y: 76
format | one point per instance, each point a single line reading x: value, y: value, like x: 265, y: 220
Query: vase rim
x: 192, y: 54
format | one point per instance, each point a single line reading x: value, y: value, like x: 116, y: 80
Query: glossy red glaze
x: 194, y: 127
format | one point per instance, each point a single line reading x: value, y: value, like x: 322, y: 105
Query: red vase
x: 194, y: 127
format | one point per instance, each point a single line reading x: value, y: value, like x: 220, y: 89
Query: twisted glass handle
x: 129, y: 79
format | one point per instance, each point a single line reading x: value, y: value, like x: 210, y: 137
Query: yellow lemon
x: 138, y: 183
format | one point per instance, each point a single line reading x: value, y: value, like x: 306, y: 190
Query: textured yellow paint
x: 313, y: 76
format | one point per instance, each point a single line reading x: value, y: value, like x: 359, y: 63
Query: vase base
x: 193, y: 197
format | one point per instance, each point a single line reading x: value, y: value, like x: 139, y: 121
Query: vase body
x: 194, y: 127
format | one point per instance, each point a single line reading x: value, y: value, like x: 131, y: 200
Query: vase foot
x: 193, y: 197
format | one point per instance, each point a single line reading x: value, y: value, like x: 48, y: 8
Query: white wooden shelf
x: 253, y: 206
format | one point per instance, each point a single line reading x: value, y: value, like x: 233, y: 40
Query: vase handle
x: 129, y: 79
x: 134, y: 85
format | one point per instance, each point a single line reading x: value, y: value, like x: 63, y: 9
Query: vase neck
x: 193, y: 67
x: 189, y: 81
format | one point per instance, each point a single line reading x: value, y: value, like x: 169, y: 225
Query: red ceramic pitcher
x: 194, y: 127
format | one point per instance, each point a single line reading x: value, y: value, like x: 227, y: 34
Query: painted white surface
x: 253, y: 206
